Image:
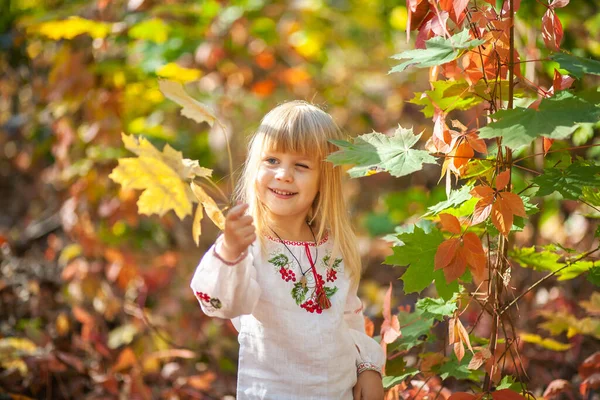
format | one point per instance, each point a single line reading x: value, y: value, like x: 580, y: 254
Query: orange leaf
x: 450, y: 223
x: 547, y: 144
x: 369, y: 327
x: 390, y: 328
x: 461, y: 155
x: 502, y: 179
x: 483, y: 208
x: 476, y: 257
x: 446, y: 252
x: 457, y: 266
x: 482, y: 191
x: 263, y: 88
x: 479, y: 358
x: 477, y: 144
x: 502, y: 217
x: 458, y: 336
x: 201, y: 382
x: 459, y: 350
x: 125, y: 360
x: 462, y: 396
x: 592, y: 382
x: 507, y: 394
x: 590, y: 365
x: 514, y: 203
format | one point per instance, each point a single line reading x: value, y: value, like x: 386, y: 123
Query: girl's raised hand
x: 239, y: 233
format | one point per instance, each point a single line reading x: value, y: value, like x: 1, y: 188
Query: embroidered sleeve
x: 370, y: 354
x: 225, y: 289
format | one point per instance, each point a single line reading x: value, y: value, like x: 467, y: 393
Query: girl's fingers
x: 237, y: 211
x: 246, y: 231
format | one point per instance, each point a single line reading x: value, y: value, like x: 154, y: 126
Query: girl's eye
x: 271, y: 160
x: 302, y: 165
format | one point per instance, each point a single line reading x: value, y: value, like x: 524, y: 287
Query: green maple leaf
x: 593, y: 275
x: 568, y: 181
x: 577, y: 65
x: 418, y: 252
x: 456, y: 198
x: 557, y: 117
x: 438, y: 51
x: 375, y: 152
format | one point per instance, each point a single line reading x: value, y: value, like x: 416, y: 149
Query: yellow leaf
x: 163, y: 189
x: 211, y: 208
x: 192, y: 109
x: 155, y: 30
x: 180, y: 74
x: 72, y: 27
x: 549, y: 344
x: 196, y: 227
x: 68, y: 253
x: 184, y: 167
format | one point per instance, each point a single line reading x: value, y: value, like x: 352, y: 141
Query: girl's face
x: 287, y: 183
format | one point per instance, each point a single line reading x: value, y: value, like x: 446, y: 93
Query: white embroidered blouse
x: 291, y: 345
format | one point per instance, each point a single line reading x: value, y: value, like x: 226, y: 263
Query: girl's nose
x: 284, y: 174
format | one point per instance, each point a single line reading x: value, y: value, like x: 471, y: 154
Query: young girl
x: 286, y: 269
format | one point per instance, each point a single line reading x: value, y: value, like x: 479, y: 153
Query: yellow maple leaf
x: 192, y: 108
x: 163, y: 189
x: 71, y: 27
x: 211, y: 208
x: 196, y: 227
x: 184, y: 167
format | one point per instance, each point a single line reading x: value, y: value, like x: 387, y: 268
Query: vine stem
x: 543, y: 279
x: 558, y: 150
x: 231, y: 185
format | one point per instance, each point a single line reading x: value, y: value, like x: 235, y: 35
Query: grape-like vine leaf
x: 557, y: 118
x: 375, y: 152
x: 568, y: 181
x: 438, y: 51
x: 577, y: 66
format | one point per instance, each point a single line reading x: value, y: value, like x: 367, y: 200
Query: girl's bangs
x: 293, y: 141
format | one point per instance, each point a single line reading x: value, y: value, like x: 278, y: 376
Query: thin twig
x: 557, y: 150
x: 568, y: 264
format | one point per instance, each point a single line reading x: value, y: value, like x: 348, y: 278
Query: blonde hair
x: 300, y: 127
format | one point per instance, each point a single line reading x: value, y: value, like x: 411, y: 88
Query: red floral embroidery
x: 211, y: 303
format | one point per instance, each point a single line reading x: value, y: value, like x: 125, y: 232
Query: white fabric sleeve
x: 369, y: 351
x: 224, y: 289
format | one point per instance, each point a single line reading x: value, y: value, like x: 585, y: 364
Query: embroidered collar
x: 299, y: 243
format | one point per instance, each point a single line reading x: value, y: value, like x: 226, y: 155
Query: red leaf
x: 552, y: 30
x: 561, y: 82
x: 591, y: 382
x: 507, y: 394
x: 369, y: 327
x: 502, y: 179
x: 450, y: 223
x: 556, y: 387
x: 446, y: 252
x: 590, y: 365
x: 559, y: 3
x: 479, y: 358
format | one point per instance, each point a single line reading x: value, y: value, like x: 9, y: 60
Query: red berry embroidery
x: 287, y: 274
x: 331, y: 275
x: 203, y: 296
x: 311, y: 306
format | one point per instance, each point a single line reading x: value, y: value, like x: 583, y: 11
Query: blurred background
x: 94, y: 297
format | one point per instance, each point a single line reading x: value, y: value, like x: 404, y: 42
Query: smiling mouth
x: 282, y: 192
